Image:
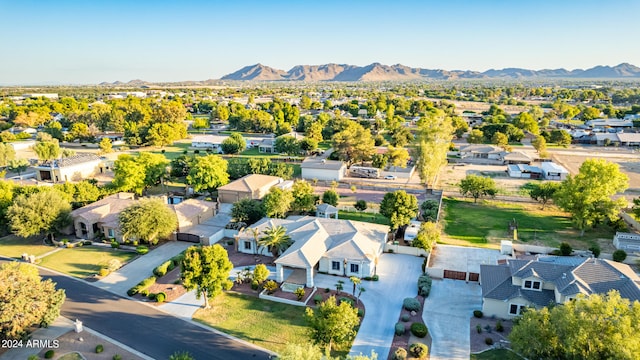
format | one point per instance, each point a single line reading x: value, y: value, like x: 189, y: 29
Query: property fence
x: 407, y: 250
x: 263, y: 295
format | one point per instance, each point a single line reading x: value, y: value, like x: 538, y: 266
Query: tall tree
x: 354, y: 143
x: 234, y: 144
x: 435, y: 132
x: 206, y: 269
x: 477, y: 186
x: 7, y: 153
x: 47, y: 150
x: 275, y: 240
x: 287, y: 144
x: 427, y: 237
x: 476, y: 136
x: 399, y: 207
x: 41, y: 212
x: 26, y: 300
x: 248, y: 211
x: 277, y: 202
x: 331, y: 323
x: 540, y: 144
x: 18, y: 165
x: 330, y: 197
x: 587, y: 196
x: 105, y: 145
x: 207, y: 173
x: 148, y: 220
x: 303, y: 197
x: 597, y: 327
x: 544, y: 192
x: 129, y: 174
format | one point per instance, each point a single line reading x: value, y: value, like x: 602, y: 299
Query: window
x: 247, y: 245
x: 535, y: 285
x: 335, y: 265
x: 111, y: 233
x: 515, y: 309
x: 355, y: 268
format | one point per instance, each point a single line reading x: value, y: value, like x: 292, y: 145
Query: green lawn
x: 498, y: 354
x: 84, y: 261
x: 324, y: 145
x: 14, y: 246
x: 255, y: 152
x: 486, y: 223
x: 265, y: 323
x: 364, y: 217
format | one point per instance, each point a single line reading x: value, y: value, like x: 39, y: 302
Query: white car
x: 390, y: 177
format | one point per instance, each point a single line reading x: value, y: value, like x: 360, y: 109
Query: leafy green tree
x: 587, y: 196
x: 206, y: 269
x: 105, y: 145
x: 597, y: 327
x: 40, y: 212
x: 427, y: 237
x: 147, y: 220
x: 47, y: 150
x: 526, y: 122
x: 460, y: 126
x: 129, y: 174
x: 544, y: 192
x: 207, y: 173
x: 330, y: 197
x: 79, y: 131
x: 234, y: 144
x: 379, y: 161
x: 477, y: 186
x: 260, y: 273
x: 435, y: 132
x: 80, y: 193
x: 399, y: 207
x: 306, y: 351
x: 429, y: 210
x: 7, y: 154
x: 308, y: 144
x: 476, y: 136
x: 361, y: 205
x: 353, y: 144
x: 560, y: 137
x: 248, y: 211
x: 331, y: 323
x: 398, y: 156
x: 287, y: 144
x: 155, y: 168
x: 540, y: 144
x: 18, y: 165
x: 500, y: 139
x: 163, y: 134
x: 619, y: 255
x: 277, y: 202
x: 275, y: 240
x: 26, y: 300
x: 303, y: 197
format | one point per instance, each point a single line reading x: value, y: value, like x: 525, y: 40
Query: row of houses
x: 547, y: 170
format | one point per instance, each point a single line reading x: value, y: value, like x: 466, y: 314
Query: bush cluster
x: 424, y: 285
x: 141, y: 250
x: 619, y: 255
x: 103, y: 272
x: 411, y: 304
x: 405, y: 317
x: 317, y: 299
x: 419, y: 351
x: 271, y: 286
x: 161, y: 297
x: 499, y: 326
x: 162, y: 269
x: 142, y: 286
x: 99, y: 348
x: 115, y: 244
x: 49, y: 354
x: 477, y: 313
x: 299, y: 292
x: 347, y: 300
x: 419, y: 329
x: 400, y: 354
x: 488, y: 341
x: 400, y: 329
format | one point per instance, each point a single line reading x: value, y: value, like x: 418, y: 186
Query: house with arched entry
x: 332, y: 246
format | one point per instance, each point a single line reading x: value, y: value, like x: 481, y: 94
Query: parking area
x: 466, y: 259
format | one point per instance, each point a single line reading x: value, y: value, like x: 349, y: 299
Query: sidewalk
x: 128, y: 276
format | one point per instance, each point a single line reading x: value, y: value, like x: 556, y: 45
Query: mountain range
x: 398, y: 72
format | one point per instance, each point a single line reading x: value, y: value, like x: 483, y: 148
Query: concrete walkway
x: 382, y: 300
x: 446, y: 313
x: 118, y: 282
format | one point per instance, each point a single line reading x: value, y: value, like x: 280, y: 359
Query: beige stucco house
x: 332, y: 246
x: 516, y: 284
x: 252, y: 186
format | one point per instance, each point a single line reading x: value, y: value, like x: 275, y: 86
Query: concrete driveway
x: 447, y: 311
x: 382, y: 300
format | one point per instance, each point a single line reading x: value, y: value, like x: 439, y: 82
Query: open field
x: 14, y: 246
x: 486, y: 223
x: 265, y: 323
x: 84, y: 261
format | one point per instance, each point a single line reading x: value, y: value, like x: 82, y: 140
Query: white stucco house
x: 73, y: 168
x: 323, y: 169
x: 212, y: 142
x: 332, y: 246
x: 553, y: 171
x: 629, y: 242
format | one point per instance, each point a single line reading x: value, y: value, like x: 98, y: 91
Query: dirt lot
x: 451, y: 175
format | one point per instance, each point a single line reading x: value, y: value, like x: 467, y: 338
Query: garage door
x: 188, y: 238
x: 456, y: 275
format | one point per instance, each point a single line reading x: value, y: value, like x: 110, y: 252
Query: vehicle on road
x: 390, y: 177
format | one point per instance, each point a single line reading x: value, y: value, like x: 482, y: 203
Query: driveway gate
x: 456, y: 275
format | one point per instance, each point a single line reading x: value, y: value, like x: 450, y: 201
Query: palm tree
x: 256, y: 235
x: 356, y: 281
x: 276, y: 240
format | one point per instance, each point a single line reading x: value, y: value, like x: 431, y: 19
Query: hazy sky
x: 79, y: 42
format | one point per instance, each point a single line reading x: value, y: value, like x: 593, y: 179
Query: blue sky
x: 80, y: 42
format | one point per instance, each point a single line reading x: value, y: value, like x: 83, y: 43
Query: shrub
x: 424, y: 285
x: 419, y: 351
x: 595, y: 250
x: 619, y: 255
x: 141, y: 250
x: 255, y: 285
x: 477, y: 313
x: 419, y: 329
x: 161, y: 270
x: 424, y: 264
x: 115, y: 244
x: 49, y: 354
x: 565, y: 249
x: 33, y: 357
x: 368, y: 278
x: 260, y: 273
x: 99, y: 348
x: 411, y: 304
x: 145, y: 292
x: 270, y: 286
x: 87, y: 242
x: 103, y: 272
x: 347, y: 300
x: 405, y: 317
x: 317, y: 299
x: 488, y: 341
x: 132, y: 291
x: 142, y: 286
x: 390, y: 251
x: 400, y: 329
x: 327, y: 290
x: 161, y: 297
x: 400, y: 354
x: 499, y: 326
x: 299, y: 293
x: 375, y: 278
x: 152, y: 296
x: 117, y: 357
x: 479, y: 329
x: 360, y: 313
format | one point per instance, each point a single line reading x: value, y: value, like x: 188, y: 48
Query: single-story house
x: 101, y: 217
x: 482, y: 152
x: 614, y: 123
x: 553, y: 171
x: 524, y: 171
x: 116, y: 138
x: 337, y: 247
x: 603, y: 138
x: 267, y: 146
x: 517, y: 157
x: 629, y: 139
x: 509, y: 287
x: 473, y: 119
x: 213, y: 142
x: 323, y: 169
x: 73, y: 168
x: 191, y: 213
x: 627, y: 241
x: 252, y: 186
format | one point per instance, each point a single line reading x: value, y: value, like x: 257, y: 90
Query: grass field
x: 363, y: 216
x: 14, y: 246
x: 497, y: 354
x: 84, y: 261
x: 265, y: 323
x: 486, y: 223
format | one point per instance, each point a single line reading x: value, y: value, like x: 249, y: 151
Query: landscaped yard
x: 498, y: 354
x: 363, y: 216
x: 265, y: 323
x: 14, y: 246
x: 486, y: 223
x: 84, y: 261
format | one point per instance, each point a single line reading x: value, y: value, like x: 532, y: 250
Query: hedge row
x: 424, y: 285
x: 142, y: 285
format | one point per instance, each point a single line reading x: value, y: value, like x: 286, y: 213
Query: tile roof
x: 105, y: 210
x: 251, y: 183
x: 189, y: 208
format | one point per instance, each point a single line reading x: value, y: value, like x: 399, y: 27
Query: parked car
x: 390, y: 177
